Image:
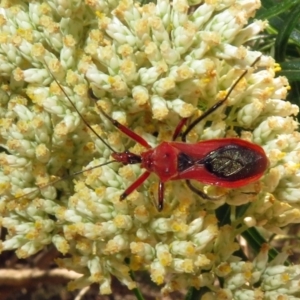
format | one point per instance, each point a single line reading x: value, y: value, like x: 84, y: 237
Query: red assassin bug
x: 225, y: 162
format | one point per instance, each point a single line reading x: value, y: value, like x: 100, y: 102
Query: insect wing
x: 227, y: 162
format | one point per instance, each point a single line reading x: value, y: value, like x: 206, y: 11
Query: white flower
x: 150, y: 66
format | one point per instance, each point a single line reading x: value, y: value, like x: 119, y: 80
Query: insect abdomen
x: 234, y: 162
x: 230, y: 163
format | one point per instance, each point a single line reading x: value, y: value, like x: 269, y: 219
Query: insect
x: 224, y: 162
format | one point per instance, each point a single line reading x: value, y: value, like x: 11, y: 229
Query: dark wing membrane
x: 224, y: 162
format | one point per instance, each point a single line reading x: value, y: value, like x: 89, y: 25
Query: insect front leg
x: 140, y: 181
x: 131, y: 134
x: 135, y: 185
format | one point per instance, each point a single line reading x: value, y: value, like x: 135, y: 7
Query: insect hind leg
x: 200, y: 193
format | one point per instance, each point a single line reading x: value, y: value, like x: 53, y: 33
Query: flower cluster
x: 149, y: 66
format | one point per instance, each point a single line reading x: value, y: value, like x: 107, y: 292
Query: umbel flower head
x: 149, y: 65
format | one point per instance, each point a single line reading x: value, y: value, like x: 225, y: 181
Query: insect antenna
x: 76, y: 109
x: 43, y: 186
x: 217, y: 105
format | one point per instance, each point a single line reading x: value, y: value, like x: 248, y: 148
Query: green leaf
x: 271, y: 9
x: 290, y: 69
x: 285, y: 32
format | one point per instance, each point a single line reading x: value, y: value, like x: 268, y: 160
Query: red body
x: 227, y: 162
x: 163, y: 161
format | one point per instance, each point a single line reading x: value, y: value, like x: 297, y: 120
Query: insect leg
x: 121, y: 127
x: 200, y: 193
x: 135, y: 185
x: 196, y: 191
x: 161, y: 190
x: 215, y: 106
x: 179, y: 128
